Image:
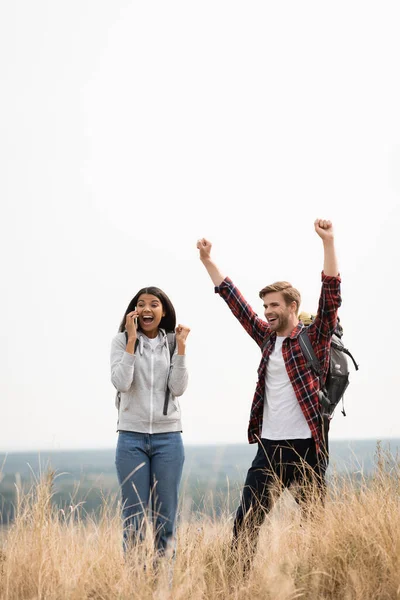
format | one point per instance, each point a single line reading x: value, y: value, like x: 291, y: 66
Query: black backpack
x: 337, y: 380
x: 171, y: 339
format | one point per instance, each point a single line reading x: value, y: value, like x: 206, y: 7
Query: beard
x: 281, y: 323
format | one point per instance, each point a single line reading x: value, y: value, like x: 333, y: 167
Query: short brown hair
x: 289, y: 293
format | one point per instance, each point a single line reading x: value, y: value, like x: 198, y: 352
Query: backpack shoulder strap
x: 171, y: 338
x: 314, y: 364
x: 309, y: 354
x: 345, y: 351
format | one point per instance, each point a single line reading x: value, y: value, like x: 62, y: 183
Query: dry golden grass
x: 350, y: 550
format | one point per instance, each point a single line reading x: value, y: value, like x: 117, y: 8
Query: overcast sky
x: 131, y: 129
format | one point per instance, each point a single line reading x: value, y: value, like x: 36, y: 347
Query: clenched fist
x: 205, y: 248
x: 181, y: 333
x: 324, y: 229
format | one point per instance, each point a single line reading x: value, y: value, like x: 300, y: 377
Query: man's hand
x: 325, y: 232
x: 324, y: 229
x: 205, y: 248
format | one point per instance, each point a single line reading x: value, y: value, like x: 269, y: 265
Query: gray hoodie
x: 142, y: 378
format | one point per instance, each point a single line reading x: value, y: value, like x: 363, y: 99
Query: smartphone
x: 135, y: 320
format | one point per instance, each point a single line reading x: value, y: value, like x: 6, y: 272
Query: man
x: 285, y: 417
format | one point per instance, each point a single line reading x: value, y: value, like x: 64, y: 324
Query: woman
x: 149, y: 378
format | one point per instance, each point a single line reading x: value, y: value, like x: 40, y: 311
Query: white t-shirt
x: 283, y: 418
x: 152, y: 341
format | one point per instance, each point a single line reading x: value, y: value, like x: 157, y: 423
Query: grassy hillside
x: 350, y: 549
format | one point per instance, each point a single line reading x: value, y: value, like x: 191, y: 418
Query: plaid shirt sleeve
x: 321, y: 330
x: 257, y: 328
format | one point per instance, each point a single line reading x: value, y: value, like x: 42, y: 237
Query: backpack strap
x: 171, y: 339
x: 345, y: 351
x: 314, y: 364
x: 309, y: 354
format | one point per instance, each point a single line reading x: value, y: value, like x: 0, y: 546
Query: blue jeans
x: 149, y: 468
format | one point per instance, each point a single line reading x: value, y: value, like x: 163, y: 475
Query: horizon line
x: 187, y: 445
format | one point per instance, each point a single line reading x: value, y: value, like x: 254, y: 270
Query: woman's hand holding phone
x: 131, y: 329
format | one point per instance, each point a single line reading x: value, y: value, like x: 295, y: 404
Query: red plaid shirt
x: 305, y: 384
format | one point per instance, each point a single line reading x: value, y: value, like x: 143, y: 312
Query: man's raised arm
x: 325, y: 232
x: 204, y: 247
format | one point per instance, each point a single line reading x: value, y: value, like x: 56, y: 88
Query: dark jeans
x: 281, y: 463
